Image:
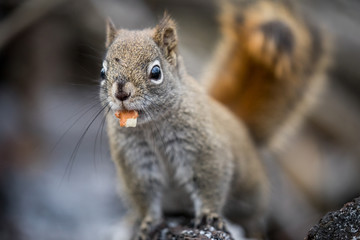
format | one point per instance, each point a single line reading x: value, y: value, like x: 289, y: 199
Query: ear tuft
x: 111, y: 32
x: 166, y: 38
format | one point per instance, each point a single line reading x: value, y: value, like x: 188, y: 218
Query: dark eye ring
x: 102, y: 73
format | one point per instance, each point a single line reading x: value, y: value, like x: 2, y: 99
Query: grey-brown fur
x: 185, y: 142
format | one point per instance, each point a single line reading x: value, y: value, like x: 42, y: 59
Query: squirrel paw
x: 145, y: 229
x: 142, y: 236
x: 212, y: 219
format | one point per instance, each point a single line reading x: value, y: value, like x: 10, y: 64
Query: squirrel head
x: 140, y: 69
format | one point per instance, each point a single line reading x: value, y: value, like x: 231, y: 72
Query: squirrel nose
x: 121, y: 94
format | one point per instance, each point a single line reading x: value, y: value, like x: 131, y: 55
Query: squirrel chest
x: 166, y: 148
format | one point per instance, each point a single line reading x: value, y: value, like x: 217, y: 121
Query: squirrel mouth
x: 124, y: 107
x: 127, y: 118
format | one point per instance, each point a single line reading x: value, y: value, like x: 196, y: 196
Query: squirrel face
x: 139, y: 70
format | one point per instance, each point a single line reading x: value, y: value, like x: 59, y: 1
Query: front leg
x: 211, y: 184
x: 204, y: 170
x: 139, y: 171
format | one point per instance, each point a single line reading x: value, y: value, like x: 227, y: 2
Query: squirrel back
x: 268, y: 68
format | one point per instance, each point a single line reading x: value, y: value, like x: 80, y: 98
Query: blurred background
x: 56, y: 177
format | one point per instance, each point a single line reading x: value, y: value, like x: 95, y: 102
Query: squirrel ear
x: 166, y: 38
x: 111, y: 32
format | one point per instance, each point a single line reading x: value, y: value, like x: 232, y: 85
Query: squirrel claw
x: 211, y: 219
x: 142, y: 236
x: 146, y: 226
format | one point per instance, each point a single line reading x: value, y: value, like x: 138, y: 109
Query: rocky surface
x: 341, y: 224
x: 182, y: 229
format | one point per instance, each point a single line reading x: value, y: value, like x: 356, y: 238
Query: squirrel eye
x: 102, y: 74
x: 155, y: 73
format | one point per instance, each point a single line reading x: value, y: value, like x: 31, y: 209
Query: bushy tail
x: 268, y: 67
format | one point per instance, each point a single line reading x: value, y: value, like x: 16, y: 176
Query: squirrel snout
x: 122, y: 95
x: 122, y: 92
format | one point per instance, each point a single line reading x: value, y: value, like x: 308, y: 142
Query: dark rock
x: 341, y: 224
x: 182, y: 229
